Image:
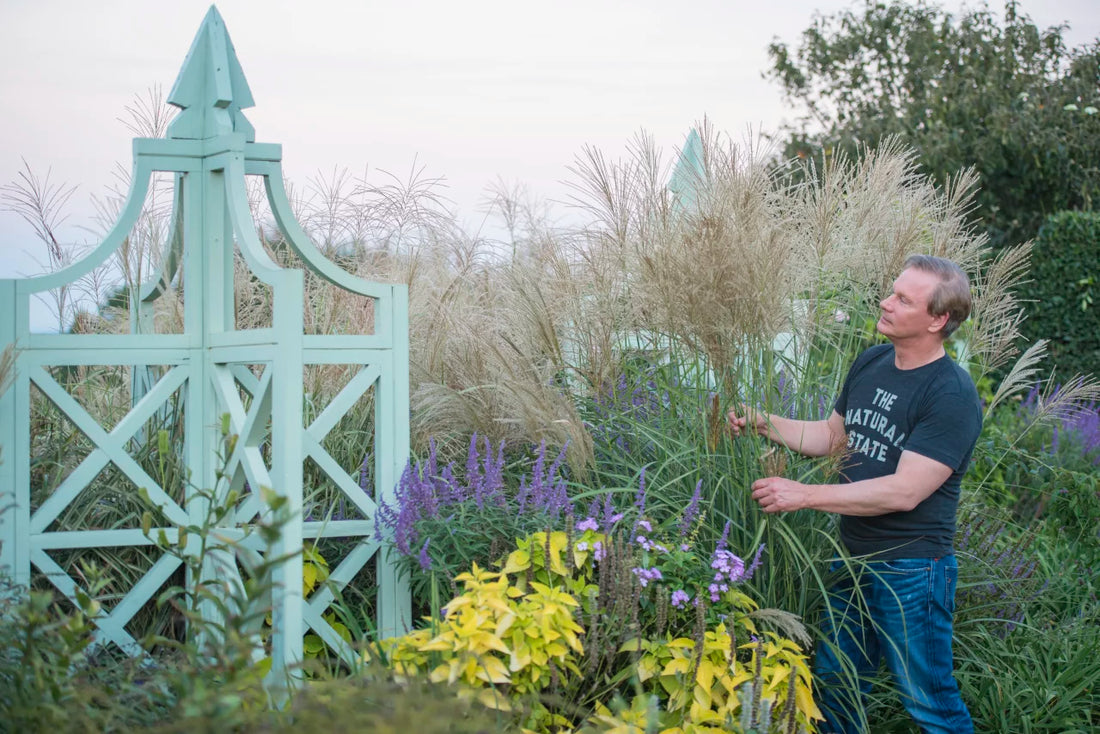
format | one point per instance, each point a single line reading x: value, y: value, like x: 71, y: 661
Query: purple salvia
x: 555, y: 467
x: 608, y: 514
x: 404, y: 532
x: 725, y: 539
x: 364, y: 473
x: 755, y: 562
x: 429, y: 498
x: 423, y: 558
x: 496, y: 476
x: 474, y: 482
x: 523, y: 495
x: 692, y: 511
x: 557, y: 493
x: 454, y: 491
x: 433, y: 459
x: 537, y: 473
x: 562, y: 503
x: 540, y: 489
x: 386, y: 516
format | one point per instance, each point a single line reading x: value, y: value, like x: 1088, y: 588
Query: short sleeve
x: 948, y: 423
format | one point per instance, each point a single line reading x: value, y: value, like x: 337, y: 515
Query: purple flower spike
x: 755, y: 562
x: 473, y: 472
x: 724, y: 540
x: 423, y: 558
x: 692, y: 511
x: 608, y: 514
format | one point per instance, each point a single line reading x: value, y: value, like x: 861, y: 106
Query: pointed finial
x: 211, y: 89
x: 690, y: 172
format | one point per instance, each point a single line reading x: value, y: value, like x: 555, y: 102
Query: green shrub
x: 1065, y: 291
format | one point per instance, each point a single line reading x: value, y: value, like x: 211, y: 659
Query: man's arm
x: 810, y: 438
x: 916, y: 478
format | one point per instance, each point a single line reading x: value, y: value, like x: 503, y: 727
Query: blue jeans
x: 899, y: 610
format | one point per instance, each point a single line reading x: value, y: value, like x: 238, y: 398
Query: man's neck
x: 910, y: 355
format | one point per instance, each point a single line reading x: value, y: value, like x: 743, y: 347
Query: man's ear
x: 939, y: 322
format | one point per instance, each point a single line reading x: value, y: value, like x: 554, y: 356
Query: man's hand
x: 747, y: 420
x: 776, y: 494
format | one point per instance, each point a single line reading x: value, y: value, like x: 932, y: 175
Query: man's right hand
x: 747, y: 420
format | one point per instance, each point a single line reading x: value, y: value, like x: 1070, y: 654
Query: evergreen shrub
x: 1065, y: 291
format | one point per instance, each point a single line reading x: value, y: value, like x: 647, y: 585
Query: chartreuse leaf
x: 558, y: 541
x: 518, y: 561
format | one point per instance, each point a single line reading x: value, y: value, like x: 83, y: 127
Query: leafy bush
x: 42, y: 661
x: 1037, y: 462
x: 1065, y: 291
x: 514, y: 633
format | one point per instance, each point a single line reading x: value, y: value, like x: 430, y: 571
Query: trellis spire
x: 211, y: 89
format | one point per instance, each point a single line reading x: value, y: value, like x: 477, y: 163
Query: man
x: 906, y: 422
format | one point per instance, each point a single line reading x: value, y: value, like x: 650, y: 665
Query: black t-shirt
x: 933, y: 411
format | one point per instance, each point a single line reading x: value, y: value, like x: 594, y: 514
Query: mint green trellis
x: 210, y: 148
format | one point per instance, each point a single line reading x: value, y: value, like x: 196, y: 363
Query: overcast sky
x: 471, y: 89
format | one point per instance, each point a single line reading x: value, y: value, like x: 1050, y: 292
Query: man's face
x: 905, y: 311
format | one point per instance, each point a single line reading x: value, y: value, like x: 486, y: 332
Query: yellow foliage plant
x: 760, y: 685
x: 495, y: 639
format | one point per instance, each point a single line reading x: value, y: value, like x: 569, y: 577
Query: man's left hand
x: 776, y: 494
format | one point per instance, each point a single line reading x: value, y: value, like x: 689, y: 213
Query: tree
x: 1002, y: 96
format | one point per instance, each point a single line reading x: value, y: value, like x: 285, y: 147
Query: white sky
x: 471, y: 89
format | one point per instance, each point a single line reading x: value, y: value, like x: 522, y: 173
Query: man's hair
x: 951, y: 295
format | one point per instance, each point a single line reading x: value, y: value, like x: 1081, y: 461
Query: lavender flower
x: 679, y: 598
x: 728, y: 567
x: 589, y: 523
x: 645, y: 575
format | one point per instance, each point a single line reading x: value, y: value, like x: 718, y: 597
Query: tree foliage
x: 998, y: 94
